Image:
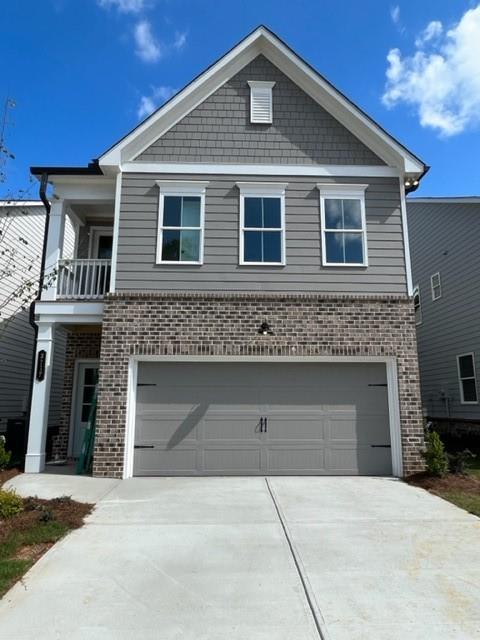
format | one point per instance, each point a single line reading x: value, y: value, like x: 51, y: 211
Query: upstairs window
x: 181, y: 222
x: 436, y: 286
x: 261, y: 108
x: 262, y: 223
x: 344, y: 236
x: 467, y: 378
x: 417, y: 305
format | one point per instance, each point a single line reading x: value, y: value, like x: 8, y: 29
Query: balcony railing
x: 83, y: 279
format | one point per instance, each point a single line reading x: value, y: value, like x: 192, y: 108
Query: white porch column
x: 37, y: 430
x: 56, y: 230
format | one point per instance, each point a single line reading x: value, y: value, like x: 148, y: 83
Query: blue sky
x: 82, y: 71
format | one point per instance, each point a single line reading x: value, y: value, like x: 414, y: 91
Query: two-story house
x: 444, y: 240
x: 242, y: 284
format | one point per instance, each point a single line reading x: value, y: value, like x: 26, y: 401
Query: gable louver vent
x: 261, y: 110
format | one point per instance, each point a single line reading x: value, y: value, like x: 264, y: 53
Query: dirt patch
x: 32, y: 552
x: 8, y: 474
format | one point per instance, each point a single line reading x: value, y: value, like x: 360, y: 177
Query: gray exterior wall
x: 137, y: 271
x: 445, y: 238
x: 219, y: 130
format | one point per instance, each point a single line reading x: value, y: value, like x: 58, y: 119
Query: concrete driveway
x: 250, y: 558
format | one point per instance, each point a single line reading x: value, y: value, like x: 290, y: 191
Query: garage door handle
x: 381, y: 446
x: 261, y: 425
x: 144, y: 446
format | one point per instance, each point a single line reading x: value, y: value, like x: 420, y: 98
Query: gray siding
x: 219, y: 129
x: 445, y: 238
x: 137, y: 271
x: 16, y: 333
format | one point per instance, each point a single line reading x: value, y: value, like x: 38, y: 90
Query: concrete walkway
x: 243, y: 558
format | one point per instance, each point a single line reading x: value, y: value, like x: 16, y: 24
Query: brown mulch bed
x: 450, y: 483
x: 7, y: 475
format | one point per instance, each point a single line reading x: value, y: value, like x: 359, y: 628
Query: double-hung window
x: 467, y: 378
x: 436, y: 286
x: 344, y: 234
x: 181, y: 222
x: 262, y: 223
x: 417, y: 305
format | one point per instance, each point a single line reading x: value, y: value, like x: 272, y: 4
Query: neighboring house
x: 444, y: 240
x: 245, y: 291
x: 22, y: 225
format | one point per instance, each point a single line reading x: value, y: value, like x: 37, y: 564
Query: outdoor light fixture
x: 265, y: 329
x: 411, y: 182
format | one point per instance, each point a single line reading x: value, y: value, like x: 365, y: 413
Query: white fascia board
x: 70, y: 312
x: 21, y: 203
x: 85, y: 191
x: 446, y: 200
x: 262, y: 41
x: 346, y: 171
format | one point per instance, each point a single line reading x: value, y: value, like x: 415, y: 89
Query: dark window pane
x: 105, y: 247
x: 171, y: 245
x: 353, y: 248
x: 252, y: 250
x: 191, y: 212
x: 271, y: 213
x: 466, y: 367
x: 334, y: 247
x: 253, y: 212
x: 272, y: 249
x: 172, y: 210
x: 88, y: 394
x: 189, y: 246
x: 352, y: 216
x: 90, y: 376
x: 469, y: 390
x: 85, y: 412
x: 333, y: 214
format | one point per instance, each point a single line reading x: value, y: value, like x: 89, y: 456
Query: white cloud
x: 395, y: 14
x: 441, y: 79
x: 148, y: 48
x: 180, y: 40
x: 124, y: 6
x: 148, y: 104
x: 433, y: 30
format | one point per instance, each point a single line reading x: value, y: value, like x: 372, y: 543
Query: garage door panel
x: 295, y: 459
x: 365, y: 429
x: 239, y: 459
x: 231, y: 427
x: 299, y: 426
x: 149, y: 461
x: 358, y: 460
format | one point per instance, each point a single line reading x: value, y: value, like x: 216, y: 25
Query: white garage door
x: 261, y: 418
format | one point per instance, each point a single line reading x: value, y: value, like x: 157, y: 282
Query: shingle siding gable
x: 219, y: 129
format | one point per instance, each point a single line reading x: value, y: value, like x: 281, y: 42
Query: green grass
x: 467, y: 501
x: 11, y: 568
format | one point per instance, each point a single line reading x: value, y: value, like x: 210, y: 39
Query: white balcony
x: 82, y: 279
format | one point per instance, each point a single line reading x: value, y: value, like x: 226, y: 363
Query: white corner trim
x: 346, y: 171
x: 406, y: 242
x: 392, y: 392
x: 116, y: 231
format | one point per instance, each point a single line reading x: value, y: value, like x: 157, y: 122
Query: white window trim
x: 181, y: 188
x: 261, y: 84
x: 95, y: 233
x: 460, y: 379
x: 439, y: 286
x: 343, y: 192
x: 416, y: 289
x: 262, y: 190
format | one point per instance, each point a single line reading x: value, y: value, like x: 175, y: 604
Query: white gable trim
x: 262, y: 41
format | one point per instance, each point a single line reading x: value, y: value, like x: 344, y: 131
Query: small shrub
x: 4, y: 454
x: 435, y: 456
x: 10, y: 503
x: 46, y: 515
x: 458, y: 462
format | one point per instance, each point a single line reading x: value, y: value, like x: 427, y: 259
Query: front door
x: 87, y: 374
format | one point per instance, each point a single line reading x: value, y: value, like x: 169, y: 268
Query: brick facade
x: 80, y: 344
x: 227, y: 324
